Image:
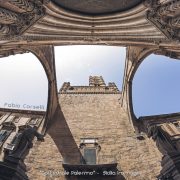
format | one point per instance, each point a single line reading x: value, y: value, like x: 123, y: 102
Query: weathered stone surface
x: 98, y: 116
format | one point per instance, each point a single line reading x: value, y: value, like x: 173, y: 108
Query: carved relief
x: 162, y: 135
x: 169, y: 9
x: 23, y: 4
x: 162, y: 139
x: 171, y: 54
x: 165, y: 17
x: 150, y: 4
x: 9, y: 17
x: 22, y: 143
x: 8, y: 52
x: 175, y: 22
x: 19, y: 22
x: 4, y: 29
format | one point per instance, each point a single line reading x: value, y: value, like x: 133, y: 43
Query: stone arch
x: 55, y: 123
x: 134, y: 57
x: 154, y: 70
x: 18, y: 87
x: 45, y: 54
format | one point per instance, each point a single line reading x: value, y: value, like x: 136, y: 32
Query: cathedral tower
x: 92, y: 134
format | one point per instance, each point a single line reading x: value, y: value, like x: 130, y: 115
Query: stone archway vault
x: 134, y: 57
x: 45, y: 54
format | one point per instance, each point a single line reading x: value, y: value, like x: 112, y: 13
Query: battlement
x: 96, y: 86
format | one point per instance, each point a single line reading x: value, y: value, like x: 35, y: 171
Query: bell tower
x: 96, y: 81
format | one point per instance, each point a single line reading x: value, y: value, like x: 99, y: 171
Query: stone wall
x: 96, y: 116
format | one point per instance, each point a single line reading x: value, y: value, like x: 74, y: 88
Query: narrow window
x: 90, y: 155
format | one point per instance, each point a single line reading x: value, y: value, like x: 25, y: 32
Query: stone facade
x: 11, y: 120
x: 143, y: 26
x: 92, y: 119
x: 100, y: 117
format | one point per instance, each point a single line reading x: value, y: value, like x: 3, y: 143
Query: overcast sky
x: 155, y: 86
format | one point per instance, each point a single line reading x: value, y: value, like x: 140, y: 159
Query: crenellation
x: 96, y: 86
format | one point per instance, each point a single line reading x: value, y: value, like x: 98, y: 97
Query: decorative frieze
x: 19, y: 22
x: 169, y: 9
x: 23, y: 4
x: 165, y: 17
x: 150, y: 4
x: 174, y: 22
x: 164, y: 52
x: 4, y: 29
x: 9, y: 17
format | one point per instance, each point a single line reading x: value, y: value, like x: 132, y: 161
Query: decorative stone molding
x: 4, y: 29
x: 169, y: 9
x: 19, y: 22
x: 9, y: 17
x: 9, y: 52
x: 160, y: 24
x: 23, y: 4
x: 164, y: 130
x: 45, y: 54
x: 150, y: 4
x: 174, y: 22
x: 134, y: 57
x: 171, y: 54
x: 164, y: 17
x: 62, y: 27
x: 171, y: 153
x: 162, y: 139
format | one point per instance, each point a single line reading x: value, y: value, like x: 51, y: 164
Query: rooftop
x: 96, y: 86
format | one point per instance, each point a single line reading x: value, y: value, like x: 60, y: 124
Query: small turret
x: 96, y: 81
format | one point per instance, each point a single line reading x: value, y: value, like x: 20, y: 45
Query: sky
x: 75, y: 64
x: 23, y: 81
x: 156, y: 89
